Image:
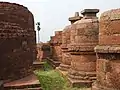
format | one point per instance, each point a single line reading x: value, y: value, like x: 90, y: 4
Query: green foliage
x: 47, y: 67
x: 51, y: 80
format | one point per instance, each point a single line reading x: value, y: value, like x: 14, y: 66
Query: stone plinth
x: 108, y: 52
x: 66, y: 57
x: 83, y: 40
x: 17, y: 41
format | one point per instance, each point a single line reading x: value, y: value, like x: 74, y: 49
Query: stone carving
x: 108, y: 52
x: 17, y: 41
x: 83, y: 40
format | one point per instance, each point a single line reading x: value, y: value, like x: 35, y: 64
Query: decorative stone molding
x: 108, y: 52
x: 84, y: 37
x: 66, y: 58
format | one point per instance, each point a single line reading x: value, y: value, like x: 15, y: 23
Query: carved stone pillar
x: 66, y: 57
x: 108, y: 52
x: 83, y: 40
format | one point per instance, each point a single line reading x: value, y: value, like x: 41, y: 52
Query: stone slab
x: 30, y: 81
x: 80, y: 83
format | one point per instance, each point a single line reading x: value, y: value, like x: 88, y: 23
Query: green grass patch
x: 47, y: 67
x: 51, y: 79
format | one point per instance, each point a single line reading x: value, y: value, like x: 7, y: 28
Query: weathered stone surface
x: 109, y: 28
x: 39, y: 52
x: 17, y: 41
x: 28, y: 83
x: 46, y: 50
x: 56, y: 42
x: 83, y: 40
x: 108, y: 52
x: 66, y: 57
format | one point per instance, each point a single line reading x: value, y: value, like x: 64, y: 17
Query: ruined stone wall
x: 56, y: 42
x: 46, y: 50
x: 39, y: 52
x: 57, y: 45
x: 66, y: 40
x: 17, y: 41
x: 108, y: 52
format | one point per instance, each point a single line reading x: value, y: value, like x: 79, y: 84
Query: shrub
x: 51, y: 80
x: 47, y: 67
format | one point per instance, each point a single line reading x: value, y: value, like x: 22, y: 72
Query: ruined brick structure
x: 108, y: 52
x: 39, y: 52
x: 56, y: 42
x: 66, y: 58
x: 51, y: 45
x: 17, y: 41
x: 46, y: 50
x: 83, y: 40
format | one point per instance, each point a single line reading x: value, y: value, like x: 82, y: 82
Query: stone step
x: 38, y: 65
x: 80, y: 83
x: 38, y: 88
x: 53, y: 63
x: 30, y: 81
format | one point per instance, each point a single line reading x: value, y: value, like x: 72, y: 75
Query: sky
x: 53, y: 14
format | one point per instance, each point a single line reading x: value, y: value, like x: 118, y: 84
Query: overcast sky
x: 53, y: 14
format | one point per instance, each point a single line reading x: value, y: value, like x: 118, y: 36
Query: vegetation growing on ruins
x: 53, y: 80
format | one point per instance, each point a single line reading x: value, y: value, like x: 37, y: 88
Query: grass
x: 51, y: 79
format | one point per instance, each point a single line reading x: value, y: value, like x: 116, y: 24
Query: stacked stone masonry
x: 56, y: 42
x: 66, y: 57
x: 108, y: 52
x: 17, y: 41
x: 83, y: 41
x: 87, y: 56
x: 43, y: 51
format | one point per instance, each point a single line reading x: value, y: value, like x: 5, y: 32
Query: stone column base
x: 95, y: 86
x: 78, y: 78
x: 80, y: 83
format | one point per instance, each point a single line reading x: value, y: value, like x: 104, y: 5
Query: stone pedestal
x: 83, y: 40
x: 108, y: 52
x: 66, y: 57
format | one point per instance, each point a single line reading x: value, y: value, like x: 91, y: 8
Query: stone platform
x: 80, y: 83
x: 28, y: 83
x: 38, y: 65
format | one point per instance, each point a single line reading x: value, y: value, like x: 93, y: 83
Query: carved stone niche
x: 83, y: 41
x: 66, y: 58
x: 108, y: 52
x: 17, y: 41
